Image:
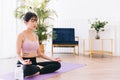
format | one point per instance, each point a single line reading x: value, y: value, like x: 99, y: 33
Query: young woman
x: 28, y: 50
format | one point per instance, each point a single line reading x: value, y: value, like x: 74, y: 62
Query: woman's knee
x: 57, y: 64
x: 30, y: 70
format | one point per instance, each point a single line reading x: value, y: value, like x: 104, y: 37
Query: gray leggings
x: 48, y: 67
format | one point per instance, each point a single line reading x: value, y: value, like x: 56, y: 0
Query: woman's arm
x: 40, y: 54
x: 19, y: 45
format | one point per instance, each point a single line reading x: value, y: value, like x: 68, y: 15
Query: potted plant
x: 98, y: 25
x: 43, y: 13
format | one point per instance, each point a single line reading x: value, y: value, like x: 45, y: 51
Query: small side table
x: 101, y: 51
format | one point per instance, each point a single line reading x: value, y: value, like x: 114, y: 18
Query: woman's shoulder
x: 36, y: 35
x: 21, y: 35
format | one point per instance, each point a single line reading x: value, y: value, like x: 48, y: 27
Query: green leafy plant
x: 40, y: 7
x: 97, y: 25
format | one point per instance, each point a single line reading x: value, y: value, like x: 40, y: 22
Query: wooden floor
x: 97, y: 68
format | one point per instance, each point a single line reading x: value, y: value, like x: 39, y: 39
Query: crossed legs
x: 47, y: 67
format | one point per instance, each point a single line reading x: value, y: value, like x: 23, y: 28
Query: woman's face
x: 32, y: 23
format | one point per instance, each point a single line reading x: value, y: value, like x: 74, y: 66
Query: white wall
x: 7, y: 29
x: 117, y: 38
x: 76, y: 13
x: 0, y: 28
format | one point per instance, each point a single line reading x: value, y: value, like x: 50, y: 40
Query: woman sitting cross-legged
x: 28, y: 50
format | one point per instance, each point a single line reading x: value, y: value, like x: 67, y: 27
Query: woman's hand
x: 26, y: 62
x: 57, y: 59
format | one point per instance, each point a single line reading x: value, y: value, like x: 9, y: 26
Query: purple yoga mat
x: 64, y: 68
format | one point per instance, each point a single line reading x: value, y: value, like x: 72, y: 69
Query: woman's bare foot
x: 40, y: 66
